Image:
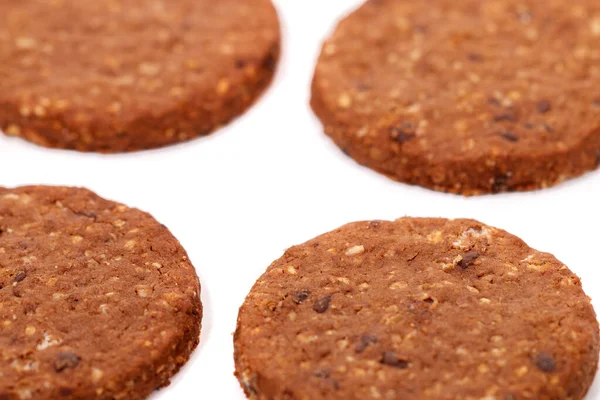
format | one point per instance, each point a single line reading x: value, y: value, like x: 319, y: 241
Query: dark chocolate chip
x: 500, y: 183
x: 545, y: 362
x: 468, y: 259
x: 475, y: 57
x: 20, y: 276
x: 300, y: 296
x: 543, y: 106
x: 86, y: 214
x: 322, y: 304
x: 403, y: 133
x: 29, y: 309
x: 365, y: 341
x: 270, y: 61
x: 429, y: 300
x: 322, y: 373
x: 403, y: 137
x: 507, y: 116
x: 548, y: 128
x: 390, y: 358
x: 66, y: 360
x: 511, y: 137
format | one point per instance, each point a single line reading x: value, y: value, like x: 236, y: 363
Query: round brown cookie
x: 468, y: 96
x: 416, y: 309
x: 116, y: 75
x: 97, y: 300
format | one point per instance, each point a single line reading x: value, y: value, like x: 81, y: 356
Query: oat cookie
x: 468, y: 96
x: 97, y: 300
x: 416, y: 309
x: 116, y: 75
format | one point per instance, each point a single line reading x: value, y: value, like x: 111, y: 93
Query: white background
x: 237, y: 199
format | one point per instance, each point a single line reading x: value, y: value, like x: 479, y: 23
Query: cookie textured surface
x: 113, y: 75
x: 97, y: 300
x: 416, y: 309
x: 468, y: 97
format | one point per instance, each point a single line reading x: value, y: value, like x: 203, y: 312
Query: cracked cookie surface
x: 469, y: 96
x: 416, y: 309
x: 97, y: 300
x: 115, y: 75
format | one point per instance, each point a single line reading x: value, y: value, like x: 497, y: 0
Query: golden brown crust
x: 416, y: 309
x: 97, y: 300
x: 118, y: 76
x: 468, y: 97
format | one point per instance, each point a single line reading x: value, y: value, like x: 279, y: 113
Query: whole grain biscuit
x: 97, y: 300
x: 115, y: 75
x: 468, y: 96
x: 416, y: 309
